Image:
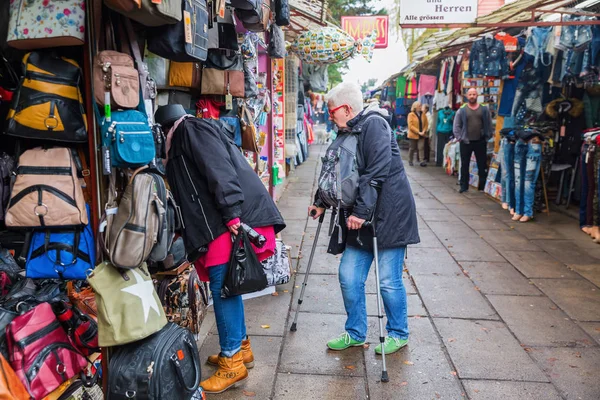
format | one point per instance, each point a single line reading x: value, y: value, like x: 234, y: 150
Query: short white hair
x: 346, y: 93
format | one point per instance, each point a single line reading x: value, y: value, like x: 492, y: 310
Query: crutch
x: 310, y: 260
x: 371, y: 224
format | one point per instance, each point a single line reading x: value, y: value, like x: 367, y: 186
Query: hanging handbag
x: 47, y: 191
x: 248, y: 130
x: 128, y: 307
x: 245, y: 4
x: 115, y: 73
x: 245, y: 273
x: 83, y: 388
x: 48, y: 104
x: 174, y: 360
x: 82, y: 298
x: 174, y: 96
x: 184, y: 41
x: 61, y: 254
x: 256, y: 19
x: 148, y: 12
x: 187, y: 75
x: 223, y: 74
x: 158, y: 68
x: 9, y: 272
x: 250, y: 86
x: 282, y: 12
x: 276, y: 42
x: 234, y: 127
x: 11, y: 386
x: 81, y: 328
x: 40, y: 351
x: 35, y: 24
x: 222, y: 34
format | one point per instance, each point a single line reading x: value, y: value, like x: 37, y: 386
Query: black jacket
x: 213, y: 183
x: 379, y: 161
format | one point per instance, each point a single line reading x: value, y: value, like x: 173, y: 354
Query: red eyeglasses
x: 331, y: 112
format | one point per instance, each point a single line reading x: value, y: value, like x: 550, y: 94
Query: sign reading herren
x: 439, y: 12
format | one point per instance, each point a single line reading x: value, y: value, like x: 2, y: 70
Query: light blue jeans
x: 353, y: 273
x: 229, y: 313
x: 528, y: 158
x: 508, y: 173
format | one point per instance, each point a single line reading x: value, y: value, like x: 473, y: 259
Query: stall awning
x: 305, y: 15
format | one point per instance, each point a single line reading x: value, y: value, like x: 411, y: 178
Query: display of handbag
x: 223, y: 74
x: 81, y: 328
x: 62, y: 254
x: 7, y: 166
x: 245, y: 4
x: 176, y: 256
x: 47, y: 191
x: 9, y: 82
x: 158, y: 68
x: 6, y: 317
x: 48, y: 104
x: 222, y: 34
x: 282, y: 12
x: 250, y: 86
x: 184, y: 298
x: 256, y: 19
x: 115, y: 73
x: 128, y: 307
x: 83, y: 298
x: 248, y: 130
x: 169, y: 224
x: 233, y: 126
x: 148, y: 12
x: 184, y: 41
x: 133, y: 231
x: 11, y: 386
x: 277, y: 267
x: 245, y: 274
x: 174, y: 96
x: 188, y: 75
x: 171, y: 355
x: 276, y: 42
x: 9, y: 271
x: 34, y: 24
x: 83, y: 388
x: 40, y: 351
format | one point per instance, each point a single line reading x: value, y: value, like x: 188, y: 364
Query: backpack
x: 7, y: 164
x: 133, y: 231
x: 168, y: 225
x: 338, y: 181
x: 47, y: 191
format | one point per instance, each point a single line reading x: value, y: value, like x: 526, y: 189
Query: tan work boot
x: 231, y: 373
x: 246, y: 355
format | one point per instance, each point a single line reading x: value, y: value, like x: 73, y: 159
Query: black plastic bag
x: 245, y: 273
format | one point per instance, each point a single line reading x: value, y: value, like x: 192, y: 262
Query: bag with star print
x: 128, y: 307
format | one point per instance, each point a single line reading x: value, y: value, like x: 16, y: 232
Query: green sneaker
x: 342, y: 342
x: 392, y: 345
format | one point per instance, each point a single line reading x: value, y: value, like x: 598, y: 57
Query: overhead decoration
x: 331, y: 45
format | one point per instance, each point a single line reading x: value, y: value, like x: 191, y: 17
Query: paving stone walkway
x: 497, y: 309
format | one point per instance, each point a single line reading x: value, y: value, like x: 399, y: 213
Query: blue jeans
x: 527, y: 168
x: 575, y: 36
x: 354, y: 270
x: 536, y: 46
x: 508, y: 173
x: 229, y: 313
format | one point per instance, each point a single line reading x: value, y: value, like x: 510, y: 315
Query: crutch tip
x: 293, y: 327
x: 384, y: 376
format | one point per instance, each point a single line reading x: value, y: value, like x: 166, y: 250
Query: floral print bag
x: 36, y: 24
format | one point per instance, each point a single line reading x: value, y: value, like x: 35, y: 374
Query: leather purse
x: 11, y: 386
x: 223, y: 74
x: 40, y: 351
x: 115, y: 72
x: 128, y: 307
x: 148, y: 12
x: 248, y: 131
x: 187, y: 75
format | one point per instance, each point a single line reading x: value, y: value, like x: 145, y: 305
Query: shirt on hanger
x: 427, y: 84
x: 511, y: 43
x: 445, y: 121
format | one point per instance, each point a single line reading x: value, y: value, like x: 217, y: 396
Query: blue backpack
x: 62, y: 254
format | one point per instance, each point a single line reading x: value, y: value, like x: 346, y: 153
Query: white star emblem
x: 145, y: 291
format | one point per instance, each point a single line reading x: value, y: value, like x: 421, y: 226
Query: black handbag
x: 222, y: 34
x: 245, y: 273
x: 223, y: 61
x: 6, y: 317
x: 256, y: 19
x: 282, y: 12
x: 245, y: 4
x: 173, y: 356
x: 276, y: 42
x: 185, y: 41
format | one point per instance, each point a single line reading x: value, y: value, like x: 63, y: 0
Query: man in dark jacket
x: 384, y: 194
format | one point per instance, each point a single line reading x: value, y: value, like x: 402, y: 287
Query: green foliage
x: 370, y: 84
x: 335, y: 72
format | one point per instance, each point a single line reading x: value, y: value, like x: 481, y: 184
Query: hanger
x: 488, y: 36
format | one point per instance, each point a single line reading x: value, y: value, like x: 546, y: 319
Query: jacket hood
x: 356, y: 123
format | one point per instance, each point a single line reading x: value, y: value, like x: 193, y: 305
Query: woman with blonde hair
x: 417, y: 130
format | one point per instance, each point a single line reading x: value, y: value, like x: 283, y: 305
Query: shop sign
x: 359, y: 27
x: 426, y: 12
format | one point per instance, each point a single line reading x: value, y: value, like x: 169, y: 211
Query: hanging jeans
x: 527, y: 167
x: 583, y: 202
x: 229, y: 313
x: 353, y: 273
x: 508, y: 173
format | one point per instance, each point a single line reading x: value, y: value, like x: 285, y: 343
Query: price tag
x: 187, y: 22
x: 221, y: 8
x: 229, y: 102
x: 107, y: 106
x: 156, y: 1
x: 106, y: 160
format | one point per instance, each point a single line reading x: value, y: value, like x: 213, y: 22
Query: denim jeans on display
x: 595, y: 46
x: 573, y: 63
x: 353, y: 273
x: 229, y: 313
x: 508, y: 173
x: 575, y: 36
x: 530, y: 87
x: 527, y: 168
x: 583, y: 202
x: 536, y: 46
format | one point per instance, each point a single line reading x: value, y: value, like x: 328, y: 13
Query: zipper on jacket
x: 197, y: 197
x: 39, y: 359
x: 28, y: 170
x: 26, y: 341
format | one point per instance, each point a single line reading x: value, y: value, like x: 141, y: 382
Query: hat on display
x: 167, y: 115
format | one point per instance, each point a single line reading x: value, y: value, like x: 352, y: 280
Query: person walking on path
x: 428, y: 135
x: 417, y: 129
x: 383, y: 189
x: 217, y: 190
x: 473, y: 129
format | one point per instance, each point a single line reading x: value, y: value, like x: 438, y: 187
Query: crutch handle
x: 313, y: 213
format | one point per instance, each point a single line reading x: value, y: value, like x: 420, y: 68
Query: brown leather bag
x: 11, y: 387
x: 248, y: 130
x: 47, y: 191
x: 188, y: 74
x: 148, y: 12
x: 114, y: 72
x: 133, y: 231
x: 223, y: 74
